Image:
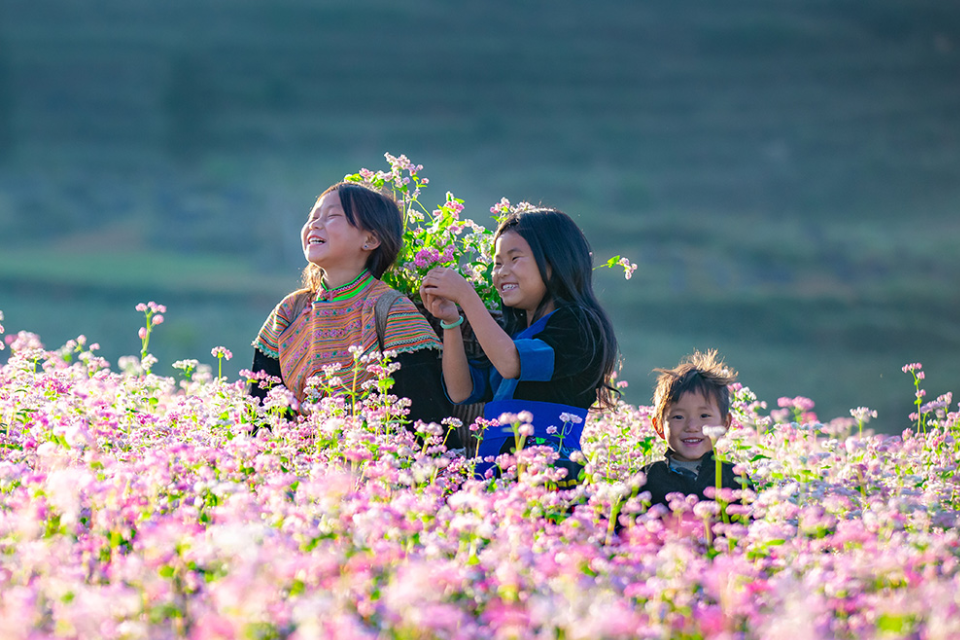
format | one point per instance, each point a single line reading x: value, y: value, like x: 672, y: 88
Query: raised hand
x: 448, y: 284
x: 438, y: 306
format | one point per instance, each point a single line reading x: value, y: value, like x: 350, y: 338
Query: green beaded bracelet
x: 455, y: 323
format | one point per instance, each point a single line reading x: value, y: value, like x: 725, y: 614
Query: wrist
x: 451, y: 325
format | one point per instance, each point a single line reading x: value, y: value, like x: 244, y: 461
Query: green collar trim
x: 350, y: 290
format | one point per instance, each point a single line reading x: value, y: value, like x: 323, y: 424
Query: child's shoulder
x: 294, y: 296
x: 658, y: 466
x: 569, y: 317
x: 293, y: 304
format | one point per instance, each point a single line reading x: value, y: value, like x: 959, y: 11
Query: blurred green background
x: 786, y: 174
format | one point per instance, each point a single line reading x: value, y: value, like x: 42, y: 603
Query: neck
x: 533, y: 312
x: 336, y: 278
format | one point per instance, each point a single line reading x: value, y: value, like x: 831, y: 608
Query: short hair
x: 371, y: 210
x: 702, y: 373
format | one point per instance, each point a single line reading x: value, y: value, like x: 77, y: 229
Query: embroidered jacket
x: 337, y: 319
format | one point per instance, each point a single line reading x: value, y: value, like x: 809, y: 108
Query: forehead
x: 695, y: 400
x: 328, y: 200
x: 512, y: 242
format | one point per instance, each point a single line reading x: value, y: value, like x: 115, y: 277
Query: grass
x: 140, y: 270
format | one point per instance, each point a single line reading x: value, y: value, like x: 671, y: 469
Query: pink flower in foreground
x: 221, y: 352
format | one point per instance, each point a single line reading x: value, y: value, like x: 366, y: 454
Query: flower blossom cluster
x: 440, y: 236
x: 132, y: 506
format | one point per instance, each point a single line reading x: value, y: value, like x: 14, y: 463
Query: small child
x: 688, y: 400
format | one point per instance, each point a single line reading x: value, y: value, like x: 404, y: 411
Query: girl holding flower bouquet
x: 351, y: 237
x: 556, y: 352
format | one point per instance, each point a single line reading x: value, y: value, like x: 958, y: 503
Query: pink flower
x: 157, y: 319
x: 221, y: 352
x: 142, y: 333
x: 426, y: 256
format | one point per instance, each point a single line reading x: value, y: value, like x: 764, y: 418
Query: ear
x: 657, y: 426
x: 728, y: 420
x: 370, y: 241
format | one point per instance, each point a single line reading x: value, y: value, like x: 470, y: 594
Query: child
x: 352, y: 235
x: 556, y: 351
x: 687, y: 401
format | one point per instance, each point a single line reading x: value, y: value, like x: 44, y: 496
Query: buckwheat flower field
x: 139, y: 506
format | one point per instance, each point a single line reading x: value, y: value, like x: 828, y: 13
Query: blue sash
x: 545, y: 414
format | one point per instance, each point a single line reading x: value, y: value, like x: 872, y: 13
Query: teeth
x: 508, y: 287
x: 314, y: 241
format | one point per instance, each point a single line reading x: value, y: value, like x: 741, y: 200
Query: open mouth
x: 508, y: 287
x: 691, y: 442
x: 315, y: 240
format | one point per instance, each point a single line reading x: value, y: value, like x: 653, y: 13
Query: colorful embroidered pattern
x: 338, y: 319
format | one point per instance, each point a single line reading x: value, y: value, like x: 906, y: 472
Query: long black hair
x: 565, y: 263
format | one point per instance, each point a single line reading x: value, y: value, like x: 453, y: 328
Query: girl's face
x: 330, y: 241
x: 684, y: 421
x: 516, y: 276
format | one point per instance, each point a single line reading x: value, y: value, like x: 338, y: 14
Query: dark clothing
x: 662, y: 479
x: 419, y: 379
x: 560, y: 364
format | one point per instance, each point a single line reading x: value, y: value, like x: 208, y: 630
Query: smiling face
x: 516, y: 276
x: 332, y: 243
x: 684, y: 421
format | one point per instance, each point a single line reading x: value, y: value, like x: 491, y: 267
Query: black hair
x: 371, y: 210
x: 565, y: 263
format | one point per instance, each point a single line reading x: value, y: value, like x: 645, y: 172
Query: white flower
x: 714, y: 433
x: 863, y: 414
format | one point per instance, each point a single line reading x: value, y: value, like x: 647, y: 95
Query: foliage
x: 440, y: 236
x: 136, y: 506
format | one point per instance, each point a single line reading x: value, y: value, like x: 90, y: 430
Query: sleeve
x: 407, y: 329
x: 482, y: 390
x: 420, y: 379
x: 268, y: 339
x: 563, y: 349
x: 263, y: 362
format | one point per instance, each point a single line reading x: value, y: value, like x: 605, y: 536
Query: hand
x: 447, y: 283
x: 439, y: 307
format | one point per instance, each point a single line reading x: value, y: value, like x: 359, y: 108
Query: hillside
x: 786, y: 174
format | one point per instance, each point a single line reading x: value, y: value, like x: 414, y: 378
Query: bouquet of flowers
x: 441, y: 236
